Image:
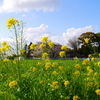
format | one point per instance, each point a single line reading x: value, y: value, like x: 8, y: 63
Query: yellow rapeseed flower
x: 86, y: 62
x: 77, y: 66
x: 4, y: 43
x: 45, y: 39
x: 76, y: 97
x: 6, y: 60
x: 55, y: 85
x: 34, y: 69
x: 33, y: 46
x: 75, y: 58
x: 7, y: 47
x: 10, y: 22
x: 77, y: 73
x: 51, y: 44
x: 48, y: 64
x: 62, y: 54
x: 42, y: 45
x: 66, y: 83
x: 15, y: 61
x: 87, y: 40
x: 96, y: 73
x: 13, y: 83
x: 98, y: 91
x: 90, y: 84
x: 64, y: 47
x: 45, y: 55
x: 93, y: 59
x: 61, y: 67
x: 54, y: 72
x: 54, y: 64
x: 41, y: 82
x: 90, y: 55
x: 98, y: 63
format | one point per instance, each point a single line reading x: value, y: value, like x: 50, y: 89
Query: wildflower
x: 33, y: 46
x: 41, y: 82
x: 75, y: 58
x: 98, y: 91
x: 45, y: 55
x: 55, y: 85
x: 13, y: 83
x: 76, y: 97
x: 22, y: 51
x: 77, y: 73
x: 7, y: 47
x: 62, y: 54
x: 90, y: 84
x: 90, y: 56
x: 10, y: 22
x: 93, y: 59
x: 39, y: 63
x: 64, y: 47
x: 34, y: 69
x: 54, y: 72
x: 61, y: 67
x: 54, y: 64
x: 45, y: 39
x: 48, y: 64
x: 15, y: 61
x: 1, y: 75
x: 77, y: 66
x: 86, y: 62
x: 51, y: 44
x: 96, y: 73
x: 6, y: 60
x: 42, y: 45
x: 66, y: 83
x: 99, y: 54
x: 87, y: 40
x: 4, y: 43
x: 98, y: 63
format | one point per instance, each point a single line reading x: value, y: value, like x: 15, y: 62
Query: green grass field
x: 49, y: 80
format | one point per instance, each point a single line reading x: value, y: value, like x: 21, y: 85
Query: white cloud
x: 26, y: 5
x: 72, y: 32
x: 35, y: 35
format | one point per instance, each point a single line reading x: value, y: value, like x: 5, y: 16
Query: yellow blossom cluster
x: 86, y: 62
x: 76, y: 97
x: 33, y: 46
x: 5, y: 47
x: 77, y: 73
x: 87, y: 40
x: 42, y: 45
x: 45, y: 55
x: 48, y: 65
x: 51, y: 44
x: 78, y: 66
x: 10, y: 22
x: 6, y: 60
x: 66, y: 83
x: 62, y: 54
x: 15, y: 61
x: 98, y: 91
x: 13, y: 83
x: 64, y: 47
x: 55, y: 85
x: 45, y: 39
x: 75, y: 58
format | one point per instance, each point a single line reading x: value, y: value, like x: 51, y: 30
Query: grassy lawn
x: 49, y: 80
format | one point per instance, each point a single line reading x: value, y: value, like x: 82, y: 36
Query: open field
x: 49, y: 80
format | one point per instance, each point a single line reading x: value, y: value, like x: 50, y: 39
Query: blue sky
x: 61, y: 20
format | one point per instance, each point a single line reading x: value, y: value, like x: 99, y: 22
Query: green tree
x: 89, y: 47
